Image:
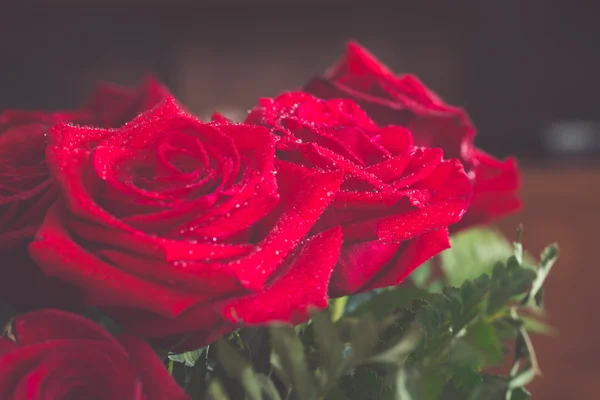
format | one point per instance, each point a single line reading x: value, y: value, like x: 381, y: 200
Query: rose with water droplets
x: 403, y: 100
x: 396, y: 201
x: 175, y: 226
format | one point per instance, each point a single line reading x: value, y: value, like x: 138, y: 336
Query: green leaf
x: 518, y: 246
x: 365, y: 383
x: 288, y: 353
x: 431, y: 385
x: 522, y: 378
x: 505, y: 328
x: 237, y: 367
x: 267, y: 386
x: 421, y: 275
x: 397, y: 353
x: 436, y: 286
x: 467, y: 379
x: 216, y: 391
x: 402, y: 392
x: 548, y: 258
x: 534, y: 325
x: 483, y: 337
x: 492, y: 387
x: 356, y: 300
x: 508, y: 282
x: 519, y: 394
x: 337, y: 393
x: 230, y: 358
x: 387, y: 302
x: 251, y: 384
x: 363, y: 335
x: 331, y: 349
x: 474, y: 252
x: 189, y: 358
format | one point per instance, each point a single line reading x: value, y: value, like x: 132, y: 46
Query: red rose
x: 405, y: 101
x: 171, y: 218
x: 111, y: 106
x: 27, y: 189
x: 396, y: 201
x: 52, y: 354
x: 26, y: 193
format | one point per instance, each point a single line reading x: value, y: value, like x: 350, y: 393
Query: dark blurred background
x: 527, y: 72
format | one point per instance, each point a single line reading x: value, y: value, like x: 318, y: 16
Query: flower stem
x: 337, y: 308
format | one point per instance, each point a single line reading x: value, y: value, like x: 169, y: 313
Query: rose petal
x: 58, y: 254
x: 286, y: 299
x: 304, y: 197
x: 371, y: 265
x: 156, y: 381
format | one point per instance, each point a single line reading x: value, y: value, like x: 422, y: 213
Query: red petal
x: 495, y: 191
x: 412, y: 255
x: 114, y: 105
x: 58, y: 254
x: 372, y: 265
x: 156, y: 381
x: 204, y: 318
x: 304, y: 197
x: 51, y: 324
x: 358, y: 263
x: 303, y: 285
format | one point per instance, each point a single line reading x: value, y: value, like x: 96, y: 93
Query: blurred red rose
x: 26, y: 192
x: 111, y: 106
x: 396, y: 201
x: 52, y: 354
x: 405, y: 101
x: 178, y: 226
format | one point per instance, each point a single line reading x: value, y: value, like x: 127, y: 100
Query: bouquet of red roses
x: 150, y: 255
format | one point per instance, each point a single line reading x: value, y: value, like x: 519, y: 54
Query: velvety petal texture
x: 405, y: 101
x: 171, y: 219
x: 54, y: 355
x: 396, y: 201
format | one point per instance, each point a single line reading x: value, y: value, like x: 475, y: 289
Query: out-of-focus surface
x: 527, y: 72
x: 520, y: 68
x: 562, y: 205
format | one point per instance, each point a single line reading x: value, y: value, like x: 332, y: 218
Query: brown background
x: 561, y: 205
